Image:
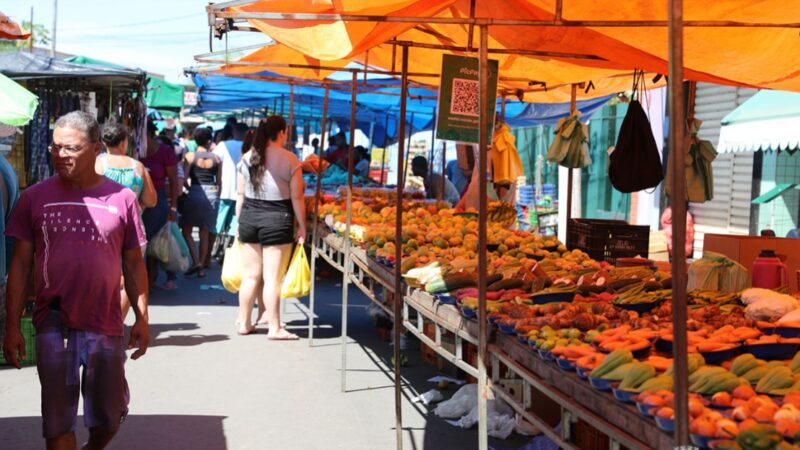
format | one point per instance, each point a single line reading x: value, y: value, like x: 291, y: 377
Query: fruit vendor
x: 433, y: 181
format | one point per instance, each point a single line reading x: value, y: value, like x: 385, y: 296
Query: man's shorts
x: 226, y: 218
x: 73, y: 361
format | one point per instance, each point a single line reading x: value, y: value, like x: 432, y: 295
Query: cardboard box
x: 745, y: 250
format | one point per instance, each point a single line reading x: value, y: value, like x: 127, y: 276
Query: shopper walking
x: 230, y: 153
x: 204, y: 171
x: 162, y: 165
x: 270, y: 198
x: 115, y: 165
x: 9, y: 195
x: 78, y: 213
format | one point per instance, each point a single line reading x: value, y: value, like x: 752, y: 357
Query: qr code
x: 464, y: 100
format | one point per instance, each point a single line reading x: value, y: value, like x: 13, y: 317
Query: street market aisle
x: 201, y: 386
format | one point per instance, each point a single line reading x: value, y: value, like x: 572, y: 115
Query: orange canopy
x: 766, y: 56
x: 10, y: 29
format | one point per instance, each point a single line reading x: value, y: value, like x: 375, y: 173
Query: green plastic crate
x: 29, y: 332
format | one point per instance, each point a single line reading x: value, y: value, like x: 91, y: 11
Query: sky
x: 159, y: 36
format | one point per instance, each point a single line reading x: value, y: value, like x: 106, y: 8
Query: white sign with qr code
x: 464, y: 100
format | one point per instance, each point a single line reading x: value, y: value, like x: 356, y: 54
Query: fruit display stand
x: 443, y: 317
x: 612, y: 424
x: 621, y: 424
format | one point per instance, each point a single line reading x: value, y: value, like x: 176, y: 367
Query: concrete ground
x: 203, y: 387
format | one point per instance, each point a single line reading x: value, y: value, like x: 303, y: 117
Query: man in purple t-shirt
x: 73, y: 230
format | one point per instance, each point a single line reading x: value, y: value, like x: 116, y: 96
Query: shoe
x: 168, y: 286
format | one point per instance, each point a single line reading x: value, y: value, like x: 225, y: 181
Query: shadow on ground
x: 159, y: 335
x: 145, y: 432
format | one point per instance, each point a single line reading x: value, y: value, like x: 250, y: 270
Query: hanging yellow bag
x: 297, y: 282
x: 232, y: 268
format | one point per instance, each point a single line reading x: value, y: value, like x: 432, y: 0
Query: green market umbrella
x: 17, y: 104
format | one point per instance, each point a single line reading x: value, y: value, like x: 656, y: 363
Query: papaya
x: 511, y: 283
x: 759, y: 437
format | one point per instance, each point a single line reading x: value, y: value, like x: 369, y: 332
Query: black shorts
x: 266, y: 222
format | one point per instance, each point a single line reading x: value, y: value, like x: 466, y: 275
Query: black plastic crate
x: 607, y: 240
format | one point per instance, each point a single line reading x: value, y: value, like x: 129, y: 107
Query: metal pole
x: 398, y: 277
x: 348, y: 221
x: 408, y: 148
x: 312, y: 295
x: 291, y: 118
x: 291, y: 144
x: 444, y: 163
x: 385, y: 150
x: 55, y: 25
x: 483, y: 387
x: 371, y: 132
x: 677, y: 133
x: 30, y: 39
x: 573, y: 106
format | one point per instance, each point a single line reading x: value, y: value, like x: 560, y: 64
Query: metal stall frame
x: 675, y: 25
x: 348, y: 222
x: 315, y: 233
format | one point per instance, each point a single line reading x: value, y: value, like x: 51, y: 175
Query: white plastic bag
x: 501, y: 419
x: 429, y: 397
x: 159, y: 246
x: 460, y: 404
x: 177, y: 261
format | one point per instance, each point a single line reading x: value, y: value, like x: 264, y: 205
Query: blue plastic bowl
x: 640, y: 308
x: 506, y: 329
x: 664, y: 345
x: 641, y: 353
x: 522, y: 338
x: 546, y: 355
x: 624, y: 396
x: 583, y: 372
x: 787, y: 332
x: 446, y: 299
x: 645, y: 409
x: 565, y: 364
x: 703, y: 442
x: 469, y: 312
x: 553, y: 298
x: 721, y: 356
x: 492, y: 320
x: 601, y: 384
x: 771, y: 352
x: 663, y: 424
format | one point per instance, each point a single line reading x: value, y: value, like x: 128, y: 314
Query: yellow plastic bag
x: 232, y: 268
x: 297, y: 282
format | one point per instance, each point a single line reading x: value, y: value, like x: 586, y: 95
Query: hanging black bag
x: 635, y: 163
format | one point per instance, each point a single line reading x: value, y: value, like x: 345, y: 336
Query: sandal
x: 201, y: 273
x: 282, y: 335
x: 193, y: 270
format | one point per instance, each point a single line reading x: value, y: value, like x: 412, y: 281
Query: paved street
x: 201, y: 386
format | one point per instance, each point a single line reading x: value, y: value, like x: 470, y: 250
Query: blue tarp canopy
x: 378, y: 102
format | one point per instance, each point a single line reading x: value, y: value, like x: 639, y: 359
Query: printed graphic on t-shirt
x: 85, y: 224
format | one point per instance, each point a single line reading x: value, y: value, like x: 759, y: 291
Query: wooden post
x: 677, y: 156
x: 483, y: 384
x: 398, y: 277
